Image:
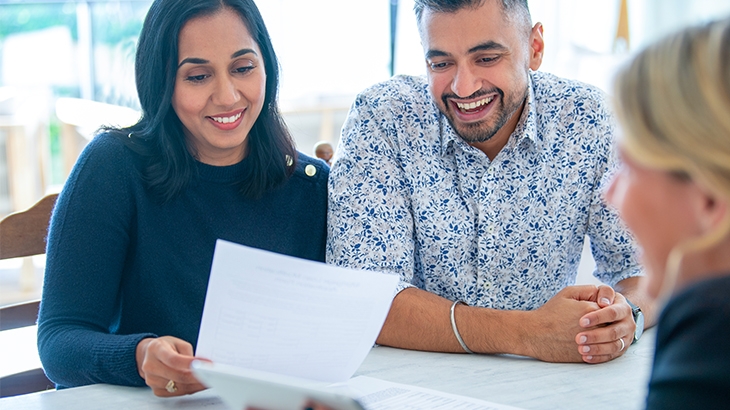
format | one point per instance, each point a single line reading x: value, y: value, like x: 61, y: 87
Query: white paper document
x: 241, y: 389
x: 280, y: 314
x: 376, y: 394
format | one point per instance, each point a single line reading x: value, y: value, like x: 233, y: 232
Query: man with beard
x: 477, y: 185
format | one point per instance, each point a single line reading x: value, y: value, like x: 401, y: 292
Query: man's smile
x: 475, y: 106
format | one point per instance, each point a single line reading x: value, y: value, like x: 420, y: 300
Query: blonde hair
x: 673, y: 101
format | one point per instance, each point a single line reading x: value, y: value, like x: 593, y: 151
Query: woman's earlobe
x: 714, y: 211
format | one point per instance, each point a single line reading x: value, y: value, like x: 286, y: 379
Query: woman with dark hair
x: 133, y: 233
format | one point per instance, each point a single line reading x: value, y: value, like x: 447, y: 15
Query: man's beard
x: 482, y: 131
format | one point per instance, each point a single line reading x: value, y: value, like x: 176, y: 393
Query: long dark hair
x: 158, y: 136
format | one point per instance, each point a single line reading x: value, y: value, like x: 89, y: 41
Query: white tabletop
x: 522, y: 382
x: 516, y: 381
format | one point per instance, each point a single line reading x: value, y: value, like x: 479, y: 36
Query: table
x: 523, y: 382
x: 504, y: 379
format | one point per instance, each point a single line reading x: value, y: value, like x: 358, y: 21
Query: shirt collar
x: 526, y: 128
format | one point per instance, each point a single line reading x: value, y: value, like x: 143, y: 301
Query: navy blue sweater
x: 691, y: 362
x: 121, y: 267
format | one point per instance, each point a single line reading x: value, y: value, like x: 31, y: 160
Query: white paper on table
x: 281, y: 314
x: 377, y: 394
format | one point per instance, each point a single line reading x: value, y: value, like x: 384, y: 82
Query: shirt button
x: 310, y: 170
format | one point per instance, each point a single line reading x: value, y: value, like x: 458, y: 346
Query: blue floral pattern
x: 408, y: 196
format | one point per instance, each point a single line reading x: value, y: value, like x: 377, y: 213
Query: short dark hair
x: 158, y: 136
x: 513, y: 7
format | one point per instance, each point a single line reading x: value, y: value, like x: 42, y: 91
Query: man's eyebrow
x: 436, y: 53
x: 195, y: 60
x: 488, y: 46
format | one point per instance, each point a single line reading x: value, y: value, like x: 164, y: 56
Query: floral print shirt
x: 408, y: 196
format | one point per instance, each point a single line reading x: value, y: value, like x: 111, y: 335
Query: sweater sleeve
x: 88, y: 241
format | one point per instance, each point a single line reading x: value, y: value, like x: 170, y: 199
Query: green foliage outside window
x: 112, y: 21
x: 22, y: 18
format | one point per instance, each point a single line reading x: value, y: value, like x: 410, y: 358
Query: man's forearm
x: 420, y: 320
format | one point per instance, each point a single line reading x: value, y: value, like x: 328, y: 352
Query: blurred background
x: 67, y: 67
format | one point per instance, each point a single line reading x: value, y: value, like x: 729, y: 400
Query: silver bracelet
x: 456, y: 331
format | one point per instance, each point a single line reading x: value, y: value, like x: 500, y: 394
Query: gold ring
x: 623, y: 346
x: 170, y: 387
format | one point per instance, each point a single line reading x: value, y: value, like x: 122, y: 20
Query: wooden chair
x: 24, y: 234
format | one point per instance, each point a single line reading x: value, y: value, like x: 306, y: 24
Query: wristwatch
x: 638, y: 319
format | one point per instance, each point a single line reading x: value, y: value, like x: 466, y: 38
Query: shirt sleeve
x: 370, y: 225
x: 612, y: 245
x: 87, y: 245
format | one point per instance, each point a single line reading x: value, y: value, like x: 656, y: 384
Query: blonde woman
x: 673, y: 192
